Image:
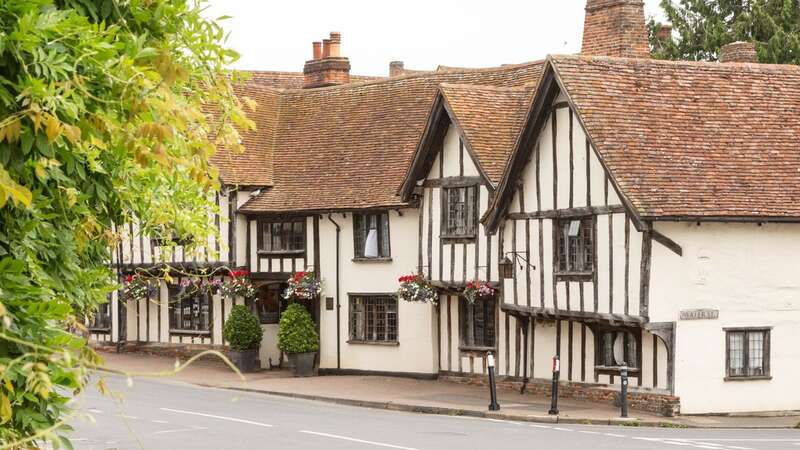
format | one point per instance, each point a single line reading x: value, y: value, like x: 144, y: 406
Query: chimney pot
x: 738, y: 52
x: 396, y: 68
x: 317, y: 47
x: 615, y: 28
x: 335, y: 44
x: 326, y: 48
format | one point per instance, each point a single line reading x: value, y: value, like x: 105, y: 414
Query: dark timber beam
x: 667, y: 242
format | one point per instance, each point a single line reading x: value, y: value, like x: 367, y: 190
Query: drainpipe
x: 338, y: 328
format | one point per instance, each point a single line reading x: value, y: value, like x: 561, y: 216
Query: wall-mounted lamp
x: 506, y: 265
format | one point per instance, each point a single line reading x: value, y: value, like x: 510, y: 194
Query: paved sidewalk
x: 427, y: 396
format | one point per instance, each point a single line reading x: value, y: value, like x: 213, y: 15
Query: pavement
x: 422, y: 396
x: 164, y: 414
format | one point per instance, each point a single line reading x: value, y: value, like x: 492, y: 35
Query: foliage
x: 296, y: 332
x: 415, y: 288
x: 302, y: 286
x: 702, y: 27
x: 478, y: 289
x: 105, y: 118
x: 242, y: 329
x: 238, y: 285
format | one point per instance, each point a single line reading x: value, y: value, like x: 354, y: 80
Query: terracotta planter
x: 302, y: 364
x: 246, y: 360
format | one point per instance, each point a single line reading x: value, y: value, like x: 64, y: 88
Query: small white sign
x: 699, y: 314
x: 490, y: 360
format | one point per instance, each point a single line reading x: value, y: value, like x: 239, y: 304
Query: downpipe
x: 338, y: 306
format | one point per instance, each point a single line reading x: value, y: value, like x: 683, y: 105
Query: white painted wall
x: 750, y: 274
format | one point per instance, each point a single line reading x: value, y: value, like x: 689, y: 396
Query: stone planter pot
x: 246, y: 361
x: 302, y: 364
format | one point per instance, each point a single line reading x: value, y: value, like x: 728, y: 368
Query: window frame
x: 351, y: 320
x: 599, y: 332
x: 384, y: 254
x: 765, y: 353
x: 570, y: 273
x: 282, y: 221
x: 176, y: 301
x: 469, y: 233
x: 464, y: 309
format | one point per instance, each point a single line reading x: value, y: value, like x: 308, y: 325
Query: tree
x: 105, y: 118
x: 702, y: 27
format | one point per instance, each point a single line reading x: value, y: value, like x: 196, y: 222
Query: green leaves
x: 10, y: 189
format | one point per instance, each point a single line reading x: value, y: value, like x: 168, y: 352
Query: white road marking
x: 178, y: 430
x: 505, y: 421
x: 698, y: 440
x: 95, y: 411
x: 614, y: 435
x: 159, y: 421
x: 335, y: 436
x: 589, y: 432
x: 540, y: 426
x: 561, y: 429
x: 230, y: 419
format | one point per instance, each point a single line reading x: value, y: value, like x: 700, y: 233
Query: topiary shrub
x: 296, y: 333
x: 242, y: 329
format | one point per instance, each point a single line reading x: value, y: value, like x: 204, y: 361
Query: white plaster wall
x: 416, y: 322
x: 749, y: 273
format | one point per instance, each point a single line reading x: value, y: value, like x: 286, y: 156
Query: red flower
x: 129, y: 278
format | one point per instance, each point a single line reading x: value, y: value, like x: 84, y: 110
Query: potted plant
x: 415, y: 288
x: 243, y: 332
x: 298, y: 339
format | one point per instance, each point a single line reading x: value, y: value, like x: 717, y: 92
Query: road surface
x: 162, y: 414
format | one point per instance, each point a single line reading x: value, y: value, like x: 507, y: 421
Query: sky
x: 277, y: 35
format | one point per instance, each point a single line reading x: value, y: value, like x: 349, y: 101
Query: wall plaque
x: 699, y: 314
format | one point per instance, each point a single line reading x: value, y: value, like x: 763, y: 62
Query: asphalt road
x: 158, y: 414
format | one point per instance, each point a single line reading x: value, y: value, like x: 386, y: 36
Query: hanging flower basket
x: 138, y: 287
x: 194, y: 286
x: 302, y: 286
x: 415, y: 288
x: 478, y: 290
x: 238, y: 285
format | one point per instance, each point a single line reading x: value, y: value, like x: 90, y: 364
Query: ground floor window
x: 270, y: 303
x: 373, y: 318
x: 477, y: 323
x: 616, y: 347
x: 102, y: 318
x: 747, y: 352
x: 190, y: 312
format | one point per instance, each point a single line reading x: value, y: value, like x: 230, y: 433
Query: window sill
x: 379, y: 343
x: 281, y: 253
x: 606, y: 370
x: 380, y: 259
x: 191, y: 332
x: 100, y: 330
x: 574, y: 276
x: 457, y: 239
x: 753, y: 378
x: 473, y: 348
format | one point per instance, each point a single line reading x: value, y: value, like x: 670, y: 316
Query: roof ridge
x: 518, y: 89
x: 678, y: 63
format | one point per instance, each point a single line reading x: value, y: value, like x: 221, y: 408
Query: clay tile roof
x: 687, y: 139
x: 348, y: 147
x: 490, y: 119
x: 292, y: 80
x: 253, y: 167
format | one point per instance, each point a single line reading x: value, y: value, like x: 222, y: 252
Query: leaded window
x: 282, y: 237
x: 373, y: 318
x: 189, y: 312
x: 102, y: 318
x: 616, y: 347
x: 269, y: 302
x: 460, y: 216
x: 747, y: 353
x: 477, y: 323
x: 371, y: 235
x: 576, y: 245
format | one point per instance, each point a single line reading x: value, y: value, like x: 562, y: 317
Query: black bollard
x: 623, y: 396
x: 554, y: 398
x: 493, y: 406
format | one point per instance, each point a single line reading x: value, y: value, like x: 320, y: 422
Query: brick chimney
x: 328, y: 67
x: 615, y: 28
x: 738, y: 52
x: 396, y: 68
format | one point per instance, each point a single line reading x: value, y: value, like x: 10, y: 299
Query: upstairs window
x: 282, y: 237
x: 747, y: 353
x: 371, y: 235
x: 460, y: 216
x: 576, y: 245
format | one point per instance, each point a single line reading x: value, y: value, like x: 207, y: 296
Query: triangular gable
x: 546, y: 94
x: 487, y: 119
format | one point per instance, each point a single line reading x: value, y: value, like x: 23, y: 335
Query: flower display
x: 302, y: 286
x: 415, y: 288
x: 478, y: 289
x: 137, y: 287
x: 238, y: 285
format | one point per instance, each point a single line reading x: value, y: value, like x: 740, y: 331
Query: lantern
x: 506, y: 268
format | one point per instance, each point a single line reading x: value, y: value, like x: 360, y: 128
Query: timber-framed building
x: 628, y: 211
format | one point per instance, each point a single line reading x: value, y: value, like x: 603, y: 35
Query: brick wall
x: 615, y: 28
x: 663, y: 404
